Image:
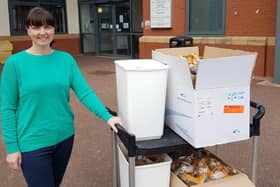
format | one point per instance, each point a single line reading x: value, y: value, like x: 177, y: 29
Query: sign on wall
x: 160, y: 11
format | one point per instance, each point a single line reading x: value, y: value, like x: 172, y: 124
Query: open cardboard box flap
x: 180, y: 51
x: 216, y: 52
x: 221, y: 72
x: 220, y: 62
x: 217, y: 69
x: 209, y: 52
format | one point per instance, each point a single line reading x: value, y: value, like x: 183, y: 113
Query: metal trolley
x: 171, y: 142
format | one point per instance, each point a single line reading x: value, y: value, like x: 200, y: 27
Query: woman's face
x: 41, y: 36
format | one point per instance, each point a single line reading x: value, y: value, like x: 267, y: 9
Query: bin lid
x: 141, y: 65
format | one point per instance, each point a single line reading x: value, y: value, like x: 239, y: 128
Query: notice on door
x: 161, y: 13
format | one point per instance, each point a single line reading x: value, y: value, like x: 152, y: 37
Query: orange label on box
x: 234, y: 109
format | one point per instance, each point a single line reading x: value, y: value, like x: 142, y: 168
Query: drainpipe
x: 276, y: 78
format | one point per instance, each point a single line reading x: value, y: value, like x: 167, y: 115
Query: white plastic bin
x: 141, y: 93
x: 151, y: 175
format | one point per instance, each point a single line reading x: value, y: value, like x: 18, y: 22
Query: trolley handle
x: 127, y: 138
x: 255, y: 126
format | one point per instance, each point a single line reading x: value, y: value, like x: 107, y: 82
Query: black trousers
x: 46, y: 167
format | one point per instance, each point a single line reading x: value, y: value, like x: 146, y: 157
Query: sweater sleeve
x: 86, y: 95
x: 9, y: 102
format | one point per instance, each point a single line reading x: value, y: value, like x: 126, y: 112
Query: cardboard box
x: 238, y: 179
x: 217, y: 110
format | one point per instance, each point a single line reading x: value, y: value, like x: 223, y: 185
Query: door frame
x: 132, y: 34
x: 114, y: 31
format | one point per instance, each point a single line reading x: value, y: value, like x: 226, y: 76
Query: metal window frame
x: 131, y: 33
x: 206, y: 33
x: 13, y: 3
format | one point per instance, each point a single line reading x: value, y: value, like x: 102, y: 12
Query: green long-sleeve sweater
x: 35, y: 100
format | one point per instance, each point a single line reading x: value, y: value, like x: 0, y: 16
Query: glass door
x: 87, y: 28
x: 114, y: 29
x: 123, y: 29
x: 105, y: 29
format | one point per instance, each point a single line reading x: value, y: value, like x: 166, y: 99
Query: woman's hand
x: 113, y: 121
x: 14, y: 160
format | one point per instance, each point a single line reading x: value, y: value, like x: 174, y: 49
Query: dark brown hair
x: 39, y: 16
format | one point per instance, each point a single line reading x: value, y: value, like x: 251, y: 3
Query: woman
x: 37, y: 120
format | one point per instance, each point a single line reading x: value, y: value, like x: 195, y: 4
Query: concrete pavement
x: 91, y: 161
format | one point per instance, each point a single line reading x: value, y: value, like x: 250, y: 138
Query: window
x: 19, y: 9
x: 206, y: 17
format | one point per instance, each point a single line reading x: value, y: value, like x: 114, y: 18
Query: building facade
x: 247, y: 25
x: 102, y: 27
x: 12, y: 17
x: 133, y: 28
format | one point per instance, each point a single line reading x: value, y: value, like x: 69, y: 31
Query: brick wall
x: 244, y: 18
x: 68, y: 42
x: 250, y: 17
x: 262, y: 67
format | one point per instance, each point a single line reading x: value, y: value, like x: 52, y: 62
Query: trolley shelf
x: 171, y: 142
